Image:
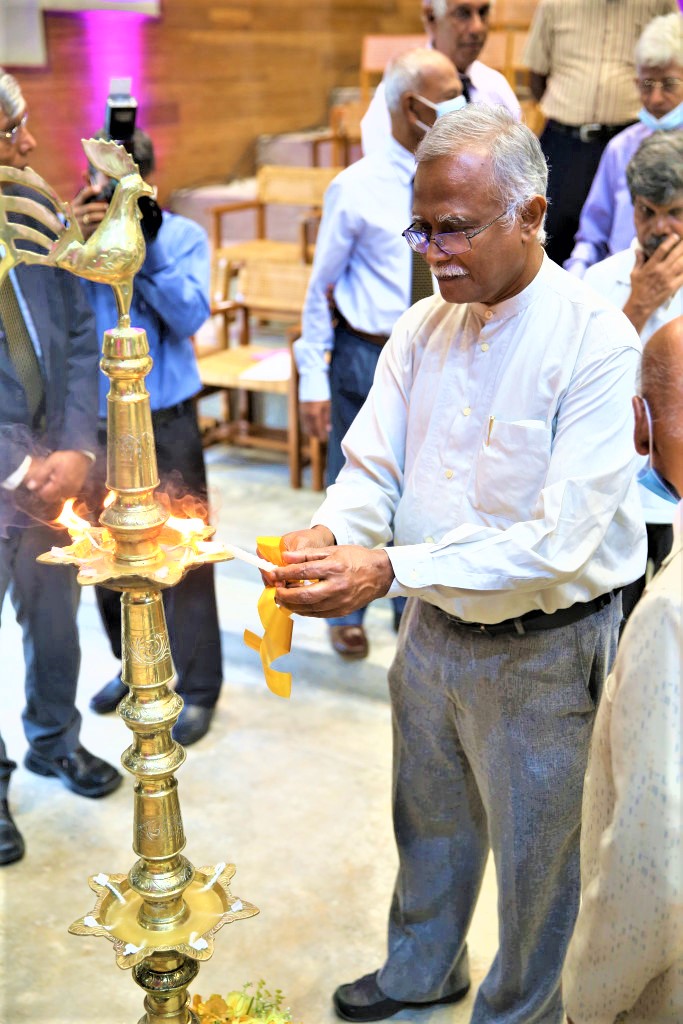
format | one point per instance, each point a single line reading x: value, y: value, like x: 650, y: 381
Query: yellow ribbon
x: 277, y: 625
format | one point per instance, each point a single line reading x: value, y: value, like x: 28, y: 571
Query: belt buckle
x: 587, y: 132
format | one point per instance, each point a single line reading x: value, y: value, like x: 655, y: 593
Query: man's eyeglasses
x: 670, y: 85
x: 12, y: 134
x: 452, y: 243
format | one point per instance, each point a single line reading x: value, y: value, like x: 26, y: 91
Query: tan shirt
x: 585, y: 47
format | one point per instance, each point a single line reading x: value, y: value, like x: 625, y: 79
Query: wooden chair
x: 302, y: 187
x: 274, y: 291
x: 376, y: 52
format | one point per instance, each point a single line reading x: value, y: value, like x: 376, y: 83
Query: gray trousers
x: 45, y: 599
x: 491, y: 738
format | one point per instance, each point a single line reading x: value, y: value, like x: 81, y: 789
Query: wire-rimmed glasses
x: 452, y: 243
x: 11, y: 135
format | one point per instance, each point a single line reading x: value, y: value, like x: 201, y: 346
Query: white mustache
x: 444, y: 273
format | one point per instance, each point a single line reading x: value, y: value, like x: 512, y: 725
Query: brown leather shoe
x: 349, y: 641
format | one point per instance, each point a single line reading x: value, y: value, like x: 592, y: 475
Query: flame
x: 111, y: 496
x: 73, y: 523
x: 187, y: 527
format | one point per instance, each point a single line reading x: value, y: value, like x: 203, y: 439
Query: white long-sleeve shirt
x: 625, y: 959
x: 486, y: 86
x: 360, y: 253
x: 495, y: 449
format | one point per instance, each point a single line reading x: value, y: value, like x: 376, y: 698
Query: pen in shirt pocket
x: 490, y: 430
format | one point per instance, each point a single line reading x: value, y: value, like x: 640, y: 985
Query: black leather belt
x: 531, y: 622
x: 343, y: 323
x: 592, y: 132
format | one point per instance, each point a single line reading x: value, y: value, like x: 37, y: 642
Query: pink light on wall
x: 114, y: 49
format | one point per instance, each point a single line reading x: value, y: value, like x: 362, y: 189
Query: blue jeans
x: 352, y: 371
x: 45, y: 600
x: 491, y: 738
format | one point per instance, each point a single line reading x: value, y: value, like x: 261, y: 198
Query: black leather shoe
x: 81, y: 771
x: 109, y: 697
x: 11, y: 843
x: 193, y: 723
x: 364, y: 1000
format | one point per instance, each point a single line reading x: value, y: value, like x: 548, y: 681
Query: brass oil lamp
x: 163, y: 914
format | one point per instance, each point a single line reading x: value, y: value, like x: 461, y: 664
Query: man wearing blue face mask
x: 625, y: 959
x: 363, y: 278
x: 606, y: 224
x: 646, y: 281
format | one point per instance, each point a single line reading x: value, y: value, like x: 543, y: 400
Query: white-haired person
x: 362, y: 277
x: 494, y: 453
x: 457, y: 28
x: 606, y: 223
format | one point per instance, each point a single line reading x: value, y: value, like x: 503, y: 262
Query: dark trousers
x: 352, y: 371
x: 572, y: 166
x: 45, y: 600
x: 190, y: 607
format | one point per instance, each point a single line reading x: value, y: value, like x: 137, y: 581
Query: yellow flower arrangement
x: 242, y: 1007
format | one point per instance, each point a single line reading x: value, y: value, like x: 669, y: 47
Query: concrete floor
x: 295, y: 793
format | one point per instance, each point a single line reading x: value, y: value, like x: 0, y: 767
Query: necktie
x: 421, y: 284
x: 21, y: 350
x: 466, y: 87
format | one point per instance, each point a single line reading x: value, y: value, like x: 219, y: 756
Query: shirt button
x: 429, y: 540
x: 448, y: 474
x: 466, y: 411
x: 488, y: 314
x: 485, y: 347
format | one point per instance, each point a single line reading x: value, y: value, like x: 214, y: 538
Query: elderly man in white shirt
x: 457, y: 28
x: 646, y: 281
x: 363, y: 265
x: 495, y: 452
x: 625, y: 959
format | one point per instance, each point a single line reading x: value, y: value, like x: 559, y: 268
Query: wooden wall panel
x: 215, y: 75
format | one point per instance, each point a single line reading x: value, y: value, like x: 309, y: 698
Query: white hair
x: 12, y: 100
x: 440, y: 7
x: 661, y: 42
x: 518, y: 168
x: 408, y: 71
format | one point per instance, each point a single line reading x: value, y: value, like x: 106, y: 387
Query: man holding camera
x: 170, y: 301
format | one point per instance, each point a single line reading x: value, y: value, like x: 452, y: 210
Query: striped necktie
x: 21, y: 351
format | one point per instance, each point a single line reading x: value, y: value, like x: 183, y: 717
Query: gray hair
x: 408, y: 71
x: 661, y: 42
x: 655, y: 171
x: 11, y: 97
x: 440, y: 7
x: 519, y: 169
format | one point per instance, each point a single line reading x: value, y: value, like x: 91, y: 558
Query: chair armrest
x: 218, y: 212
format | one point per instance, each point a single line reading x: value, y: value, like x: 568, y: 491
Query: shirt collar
x: 402, y: 159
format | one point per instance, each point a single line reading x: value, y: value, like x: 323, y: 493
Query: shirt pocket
x: 511, y: 469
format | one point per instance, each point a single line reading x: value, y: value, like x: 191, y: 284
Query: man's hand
x: 345, y: 578
x: 655, y: 280
x: 315, y: 419
x: 89, y: 214
x: 58, y: 476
